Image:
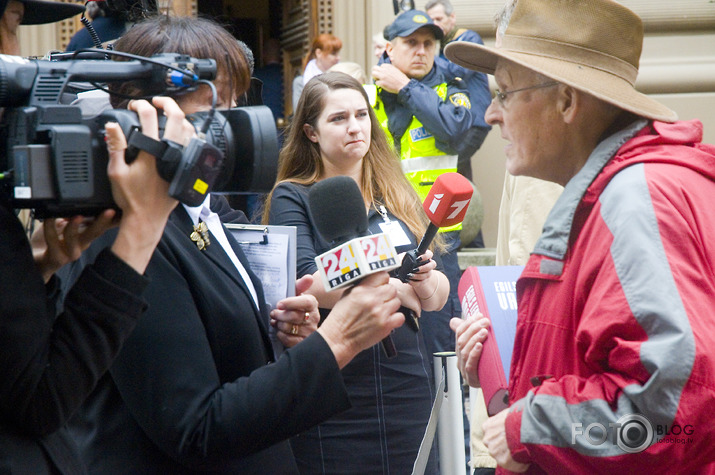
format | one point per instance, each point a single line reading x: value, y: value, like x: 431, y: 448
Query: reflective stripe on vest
x: 446, y: 162
x: 422, y: 161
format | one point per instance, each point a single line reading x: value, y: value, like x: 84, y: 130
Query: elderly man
x: 613, y: 367
x: 435, y: 123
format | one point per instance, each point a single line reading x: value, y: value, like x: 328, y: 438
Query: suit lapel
x: 215, y: 253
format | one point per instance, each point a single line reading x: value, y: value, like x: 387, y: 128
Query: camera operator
x: 49, y: 364
x: 196, y: 386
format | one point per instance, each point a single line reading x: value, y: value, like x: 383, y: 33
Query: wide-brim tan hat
x: 593, y: 46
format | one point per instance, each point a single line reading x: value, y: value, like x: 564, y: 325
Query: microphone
x: 445, y: 205
x: 338, y: 210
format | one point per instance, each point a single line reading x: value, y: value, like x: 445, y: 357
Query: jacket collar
x: 554, y: 239
x: 215, y: 253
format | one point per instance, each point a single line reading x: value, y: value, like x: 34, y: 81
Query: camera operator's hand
x: 137, y: 188
x: 366, y: 314
x: 56, y: 242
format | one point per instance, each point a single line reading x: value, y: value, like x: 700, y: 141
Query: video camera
x: 55, y: 160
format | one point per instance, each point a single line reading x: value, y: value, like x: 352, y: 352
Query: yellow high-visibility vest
x: 421, y: 160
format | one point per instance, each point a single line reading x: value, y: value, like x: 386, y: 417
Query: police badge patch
x: 460, y: 99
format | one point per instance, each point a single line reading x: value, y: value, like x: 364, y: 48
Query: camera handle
x: 166, y: 151
x: 191, y: 171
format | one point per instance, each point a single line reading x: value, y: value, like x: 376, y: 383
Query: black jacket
x: 195, y: 386
x: 49, y: 363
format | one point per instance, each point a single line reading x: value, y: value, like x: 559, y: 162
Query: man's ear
x: 388, y: 49
x: 568, y: 102
x: 310, y: 133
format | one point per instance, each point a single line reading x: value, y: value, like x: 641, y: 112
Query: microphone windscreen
x: 338, y: 209
x: 447, y: 201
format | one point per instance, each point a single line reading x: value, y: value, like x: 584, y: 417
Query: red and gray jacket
x: 613, y: 369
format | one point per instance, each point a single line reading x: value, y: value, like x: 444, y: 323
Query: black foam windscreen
x: 338, y: 209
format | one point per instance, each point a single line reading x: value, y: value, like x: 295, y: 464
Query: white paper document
x: 271, y: 252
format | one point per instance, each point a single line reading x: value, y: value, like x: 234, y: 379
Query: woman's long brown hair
x: 382, y: 181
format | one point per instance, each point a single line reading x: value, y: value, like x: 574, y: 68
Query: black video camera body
x: 56, y: 160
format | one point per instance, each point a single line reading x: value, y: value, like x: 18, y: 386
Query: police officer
x: 435, y: 121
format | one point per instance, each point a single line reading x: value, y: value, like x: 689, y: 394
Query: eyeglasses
x: 502, y: 96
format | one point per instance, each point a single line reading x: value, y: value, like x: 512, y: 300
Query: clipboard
x: 270, y: 250
x: 271, y: 253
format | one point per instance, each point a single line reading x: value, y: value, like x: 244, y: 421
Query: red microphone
x: 446, y: 205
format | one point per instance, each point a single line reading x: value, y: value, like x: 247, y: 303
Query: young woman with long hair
x: 335, y: 132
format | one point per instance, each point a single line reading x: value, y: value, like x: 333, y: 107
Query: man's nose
x: 493, y: 113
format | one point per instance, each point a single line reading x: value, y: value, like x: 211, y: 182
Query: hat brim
x: 599, y: 83
x: 39, y: 12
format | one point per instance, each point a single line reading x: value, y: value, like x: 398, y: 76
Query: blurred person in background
x: 29, y: 12
x: 324, y: 52
x: 106, y: 23
x: 270, y: 73
x: 351, y: 69
x: 378, y: 45
x: 443, y: 14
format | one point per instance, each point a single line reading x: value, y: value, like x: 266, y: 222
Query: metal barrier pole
x: 450, y: 428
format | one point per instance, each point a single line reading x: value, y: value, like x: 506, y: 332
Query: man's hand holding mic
x: 365, y: 314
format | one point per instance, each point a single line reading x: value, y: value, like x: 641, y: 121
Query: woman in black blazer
x: 196, y: 387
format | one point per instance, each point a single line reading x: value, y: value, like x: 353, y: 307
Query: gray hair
x: 448, y: 8
x: 501, y: 19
